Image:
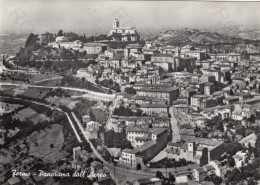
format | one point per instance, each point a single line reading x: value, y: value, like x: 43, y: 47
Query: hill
x: 245, y: 32
x: 183, y: 37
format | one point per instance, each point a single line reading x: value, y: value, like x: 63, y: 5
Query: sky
x: 29, y: 16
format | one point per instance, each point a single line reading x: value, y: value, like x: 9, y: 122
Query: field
x: 47, y: 144
x: 68, y: 102
x: 29, y: 114
x: 41, y: 77
x: 8, y: 108
x: 100, y: 115
x: 36, y: 92
x: 48, y: 82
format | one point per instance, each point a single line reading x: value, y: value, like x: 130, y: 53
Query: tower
x: 115, y: 24
x: 191, y: 146
x: 177, y: 52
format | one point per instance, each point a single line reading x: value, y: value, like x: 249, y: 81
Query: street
x: 175, y: 127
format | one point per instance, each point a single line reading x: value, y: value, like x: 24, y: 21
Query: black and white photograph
x: 128, y: 92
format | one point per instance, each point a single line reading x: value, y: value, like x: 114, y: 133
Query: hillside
x: 245, y: 32
x: 183, y: 37
x: 11, y: 43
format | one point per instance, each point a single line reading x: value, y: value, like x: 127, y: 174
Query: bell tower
x: 115, y: 24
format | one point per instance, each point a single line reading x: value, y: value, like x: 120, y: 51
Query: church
x: 123, y: 34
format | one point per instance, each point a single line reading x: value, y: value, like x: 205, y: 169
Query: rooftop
x: 209, y: 142
x: 158, y: 131
x: 166, y: 89
x: 162, y: 55
x: 94, y: 44
x: 153, y: 106
x: 136, y: 129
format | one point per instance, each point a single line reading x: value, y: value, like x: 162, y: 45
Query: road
x: 175, y: 127
x: 48, y: 79
x: 93, y: 94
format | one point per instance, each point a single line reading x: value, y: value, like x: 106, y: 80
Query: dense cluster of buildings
x: 207, y: 97
x: 186, y: 83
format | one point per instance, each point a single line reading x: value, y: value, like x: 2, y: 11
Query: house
x: 199, y: 174
x: 164, y: 61
x: 248, y: 141
x: 214, y: 167
x: 132, y: 51
x: 168, y: 94
x: 240, y: 159
x: 136, y: 158
x: 187, y: 132
x: 94, y: 47
x: 61, y: 39
x: 152, y: 109
x: 92, y: 125
x: 232, y: 57
x: 137, y: 132
x: 174, y: 148
x: 86, y: 118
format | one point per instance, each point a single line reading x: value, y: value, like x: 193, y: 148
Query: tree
x: 233, y: 148
x: 60, y: 33
x: 159, y: 175
x: 92, y: 116
x: 215, y: 179
x: 231, y: 161
x: 130, y: 90
x: 171, y: 178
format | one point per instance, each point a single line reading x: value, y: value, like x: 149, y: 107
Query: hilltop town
x: 180, y: 108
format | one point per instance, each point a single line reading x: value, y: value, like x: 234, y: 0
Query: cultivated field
x: 7, y: 108
x: 36, y: 92
x: 29, y: 114
x: 40, y: 77
x: 68, y: 102
x: 47, y: 144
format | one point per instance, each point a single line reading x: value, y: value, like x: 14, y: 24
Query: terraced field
x: 36, y: 93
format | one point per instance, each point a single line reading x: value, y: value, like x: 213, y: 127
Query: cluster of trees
x: 118, y: 140
x: 73, y: 36
x: 126, y: 111
x: 84, y: 107
x: 215, y: 179
x: 246, y: 173
x: 110, y: 84
x: 130, y: 90
x: 169, y: 163
x: 166, y: 180
x: 71, y: 81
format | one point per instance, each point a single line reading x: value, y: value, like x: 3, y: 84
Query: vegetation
x: 117, y: 140
x: 215, y: 179
x: 169, y: 163
x: 122, y: 111
x: 70, y: 81
x: 83, y: 107
x: 130, y: 90
x: 166, y: 181
x: 110, y: 84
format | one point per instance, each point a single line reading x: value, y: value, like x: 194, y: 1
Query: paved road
x: 175, y: 127
x: 96, y: 95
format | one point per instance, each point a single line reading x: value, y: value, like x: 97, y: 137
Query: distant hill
x: 11, y: 43
x: 245, y: 32
x: 183, y: 37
